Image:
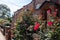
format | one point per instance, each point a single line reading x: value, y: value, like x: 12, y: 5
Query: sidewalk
x: 1, y: 36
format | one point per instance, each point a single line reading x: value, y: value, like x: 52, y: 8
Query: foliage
x: 4, y: 11
x: 45, y: 29
x: 5, y: 16
x: 21, y: 28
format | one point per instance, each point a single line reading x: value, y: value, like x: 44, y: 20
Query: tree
x: 5, y: 16
x: 4, y: 11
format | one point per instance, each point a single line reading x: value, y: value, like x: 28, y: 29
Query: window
x: 38, y: 6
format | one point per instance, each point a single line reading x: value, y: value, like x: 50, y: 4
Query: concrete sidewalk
x: 2, y: 36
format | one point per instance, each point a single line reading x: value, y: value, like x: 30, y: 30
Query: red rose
x: 36, y: 26
x: 50, y: 23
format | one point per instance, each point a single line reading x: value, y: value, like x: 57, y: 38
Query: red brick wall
x: 29, y: 6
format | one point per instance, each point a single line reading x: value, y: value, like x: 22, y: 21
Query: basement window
x: 38, y: 6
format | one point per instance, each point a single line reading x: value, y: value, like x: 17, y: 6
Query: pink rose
x: 48, y: 11
x: 55, y: 13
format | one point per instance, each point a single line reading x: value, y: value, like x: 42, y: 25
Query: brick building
x: 36, y: 5
x: 32, y: 5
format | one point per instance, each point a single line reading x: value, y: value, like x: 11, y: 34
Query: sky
x: 14, y: 5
